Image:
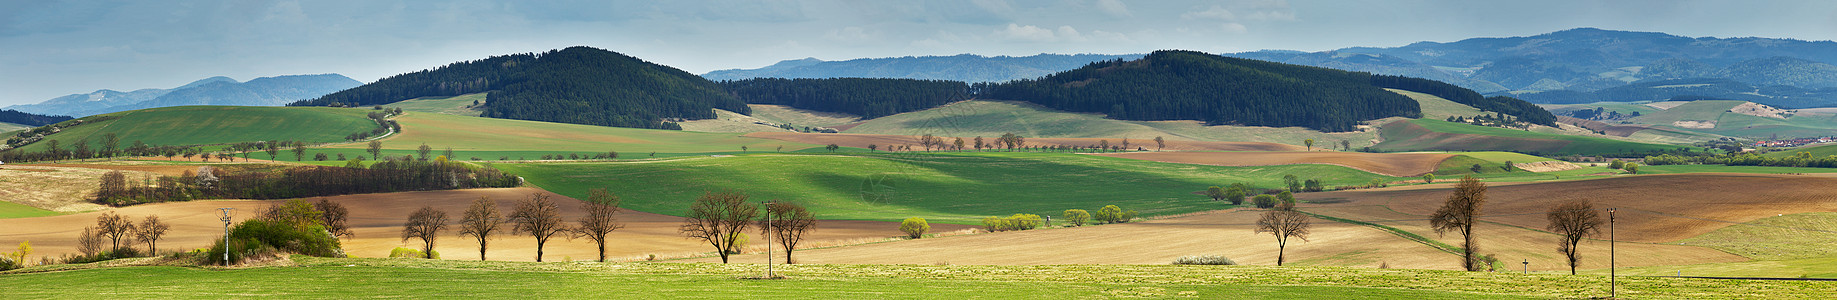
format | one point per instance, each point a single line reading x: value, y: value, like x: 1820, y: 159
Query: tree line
x: 29, y: 119
x: 310, y: 181
x: 1525, y: 111
x: 1802, y: 159
x: 865, y: 97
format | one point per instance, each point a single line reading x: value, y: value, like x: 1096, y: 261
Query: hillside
x: 963, y: 67
x: 866, y: 97
x: 18, y: 118
x: 1427, y: 134
x: 206, y: 125
x: 1184, y: 85
x: 1692, y: 89
x: 993, y: 118
x: 264, y: 91
x: 490, y: 139
x: 1705, y: 119
x: 578, y: 85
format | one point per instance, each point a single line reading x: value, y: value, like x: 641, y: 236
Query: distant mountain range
x: 264, y: 91
x: 963, y: 67
x: 1586, y: 60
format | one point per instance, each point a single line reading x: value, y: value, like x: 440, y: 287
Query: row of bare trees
x: 117, y: 230
x: 720, y: 218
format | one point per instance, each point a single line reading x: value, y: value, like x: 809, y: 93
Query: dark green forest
x: 1525, y: 111
x: 865, y: 97
x: 580, y: 85
x: 29, y: 119
x: 1187, y: 85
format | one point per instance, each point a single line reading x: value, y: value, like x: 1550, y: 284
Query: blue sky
x: 54, y: 48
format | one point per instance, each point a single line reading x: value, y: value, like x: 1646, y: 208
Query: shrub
x: 740, y: 242
x: 1264, y: 201
x: 1285, y: 197
x: 1631, y: 168
x: 1616, y: 164
x: 1313, y: 185
x: 1108, y: 214
x: 1236, y: 192
x: 7, y: 263
x: 260, y: 236
x: 1207, y: 260
x: 1014, y: 222
x: 402, y: 252
x: 1076, y: 217
x: 914, y: 227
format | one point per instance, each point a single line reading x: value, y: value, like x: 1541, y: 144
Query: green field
x: 201, y: 125
x: 455, y: 105
x: 1815, y: 150
x: 946, y: 188
x: 1705, y: 110
x: 1437, y: 108
x: 8, y: 128
x: 1400, y: 137
x: 489, y: 138
x: 993, y: 118
x: 15, y: 210
x: 1787, y: 237
x: 800, y: 118
x: 1624, y: 108
x: 339, y: 278
x: 1501, y: 157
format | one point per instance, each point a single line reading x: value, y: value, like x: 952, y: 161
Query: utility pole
x: 1612, y: 286
x: 768, y: 239
x: 226, y: 212
x: 1527, y: 267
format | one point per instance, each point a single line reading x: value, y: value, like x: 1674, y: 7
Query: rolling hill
x: 18, y: 118
x: 489, y: 139
x: 1426, y: 134
x: 578, y: 85
x: 207, y: 125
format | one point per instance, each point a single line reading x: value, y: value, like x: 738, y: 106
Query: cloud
x: 1028, y: 33
x: 1233, y: 27
x: 1065, y: 33
x: 1216, y: 13
x: 1114, y: 8
x: 851, y: 33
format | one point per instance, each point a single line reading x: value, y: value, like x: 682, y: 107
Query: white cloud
x: 1068, y: 33
x: 1233, y: 27
x: 1114, y: 8
x: 1028, y: 33
x: 851, y: 33
x: 1216, y: 13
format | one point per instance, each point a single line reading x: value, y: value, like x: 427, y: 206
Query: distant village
x: 1789, y: 143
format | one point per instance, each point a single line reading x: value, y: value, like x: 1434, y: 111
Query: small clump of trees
x: 1013, y: 222
x: 290, y: 227
x: 301, y: 182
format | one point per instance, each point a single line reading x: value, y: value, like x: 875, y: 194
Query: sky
x: 50, y: 48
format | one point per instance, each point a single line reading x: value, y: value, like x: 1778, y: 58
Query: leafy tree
x: 914, y: 227
x: 426, y: 224
x: 1284, y: 222
x: 1109, y: 214
x: 832, y: 148
x: 1459, y: 214
x: 1345, y: 144
x: 979, y: 144
x: 334, y: 217
x: 1310, y: 143
x: 1616, y: 164
x: 1631, y: 168
x: 1236, y: 193
x: 424, y: 150
x: 150, y: 231
x: 1476, y: 168
x: 786, y: 223
x: 538, y: 217
x: 375, y: 149
x: 958, y: 144
x: 1313, y: 185
x: 299, y: 151
x: 1285, y: 197
x: 1574, y: 220
x: 1428, y: 178
x: 1216, y: 193
x: 871, y: 147
x: 481, y: 220
x: 1293, y: 183
x: 1264, y: 200
x: 1076, y: 217
x: 719, y: 218
x: 600, y: 220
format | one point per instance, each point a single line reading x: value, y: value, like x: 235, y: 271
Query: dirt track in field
x: 377, y: 220
x: 882, y: 140
x: 1393, y: 164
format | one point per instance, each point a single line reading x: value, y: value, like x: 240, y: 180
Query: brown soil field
x: 377, y: 219
x: 1393, y: 164
x: 60, y: 189
x: 1655, y: 208
x: 863, y: 140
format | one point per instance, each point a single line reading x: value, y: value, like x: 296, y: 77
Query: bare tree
x: 299, y: 151
x: 1459, y: 214
x: 424, y: 150
x: 787, y: 223
x: 375, y: 149
x: 480, y: 221
x: 719, y: 218
x: 333, y: 216
x: 600, y: 220
x: 1160, y: 143
x: 116, y: 228
x: 1284, y: 222
x: 89, y: 242
x: 114, y: 184
x: 150, y: 231
x: 538, y: 217
x: 1574, y: 220
x: 425, y: 224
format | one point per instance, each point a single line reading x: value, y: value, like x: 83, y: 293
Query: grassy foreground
x: 329, y: 278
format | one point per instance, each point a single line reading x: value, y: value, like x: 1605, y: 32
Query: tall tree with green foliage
x: 376, y: 150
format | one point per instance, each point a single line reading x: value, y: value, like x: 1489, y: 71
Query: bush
x: 914, y: 227
x: 1014, y: 222
x: 123, y: 252
x: 1285, y: 197
x: 1616, y: 164
x: 1264, y: 201
x: 1108, y: 214
x: 1076, y: 217
x: 7, y: 263
x: 257, y: 237
x: 1207, y: 260
x: 740, y: 242
x: 1236, y: 192
x: 401, y: 252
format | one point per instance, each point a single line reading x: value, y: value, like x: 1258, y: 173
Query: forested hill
x: 1525, y: 111
x: 580, y: 85
x: 1186, y: 85
x: 29, y: 119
